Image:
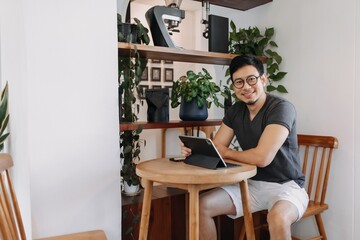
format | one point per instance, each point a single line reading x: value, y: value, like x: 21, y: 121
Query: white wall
x: 357, y: 127
x: 13, y: 70
x: 319, y: 51
x: 60, y: 60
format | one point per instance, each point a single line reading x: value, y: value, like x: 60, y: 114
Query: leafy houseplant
x: 195, y: 88
x: 252, y: 42
x: 130, y: 69
x: 4, y: 116
x: 135, y: 33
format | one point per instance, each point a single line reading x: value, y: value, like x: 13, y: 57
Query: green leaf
x: 270, y: 88
x: 232, y: 26
x: 281, y: 89
x: 139, y: 129
x: 269, y: 32
x: 127, y: 149
x: 273, y: 44
x: 278, y: 76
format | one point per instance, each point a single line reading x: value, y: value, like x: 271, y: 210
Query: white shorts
x: 263, y: 195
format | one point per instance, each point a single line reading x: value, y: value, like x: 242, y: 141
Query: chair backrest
x: 11, y: 225
x: 316, y: 153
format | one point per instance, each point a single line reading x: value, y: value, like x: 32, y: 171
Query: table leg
x: 248, y: 221
x: 193, y: 212
x: 145, y: 213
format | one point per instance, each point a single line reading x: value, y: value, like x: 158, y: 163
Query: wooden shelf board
x: 238, y: 4
x: 176, y: 54
x: 170, y: 124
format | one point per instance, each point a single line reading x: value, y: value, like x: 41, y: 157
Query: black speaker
x: 218, y: 34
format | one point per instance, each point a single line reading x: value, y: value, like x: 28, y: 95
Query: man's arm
x: 271, y: 140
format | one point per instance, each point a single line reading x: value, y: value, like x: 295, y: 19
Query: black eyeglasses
x: 251, y: 80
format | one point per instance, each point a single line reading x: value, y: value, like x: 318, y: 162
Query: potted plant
x: 251, y: 41
x: 195, y: 92
x: 132, y: 32
x: 4, y: 116
x: 130, y: 70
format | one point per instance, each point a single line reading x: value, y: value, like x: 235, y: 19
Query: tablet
x: 204, y: 153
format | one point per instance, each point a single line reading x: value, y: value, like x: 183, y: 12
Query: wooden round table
x: 193, y: 179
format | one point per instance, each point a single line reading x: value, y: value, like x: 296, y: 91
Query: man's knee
x: 205, y: 206
x: 283, y: 214
x: 278, y: 219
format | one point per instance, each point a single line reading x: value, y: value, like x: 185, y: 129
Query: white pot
x: 131, y: 189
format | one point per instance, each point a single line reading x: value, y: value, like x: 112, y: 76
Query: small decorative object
x: 169, y: 74
x: 197, y: 89
x: 156, y: 74
x: 250, y: 41
x: 158, y: 105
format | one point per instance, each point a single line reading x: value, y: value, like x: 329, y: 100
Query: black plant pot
x: 127, y: 32
x: 189, y: 111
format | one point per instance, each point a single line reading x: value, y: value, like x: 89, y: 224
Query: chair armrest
x: 89, y: 235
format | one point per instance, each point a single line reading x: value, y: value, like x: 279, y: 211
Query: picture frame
x: 156, y: 74
x: 169, y: 75
x: 145, y: 74
x: 155, y: 61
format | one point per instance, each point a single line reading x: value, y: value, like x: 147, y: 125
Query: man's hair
x: 245, y: 60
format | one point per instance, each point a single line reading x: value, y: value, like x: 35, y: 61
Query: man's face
x: 248, y: 84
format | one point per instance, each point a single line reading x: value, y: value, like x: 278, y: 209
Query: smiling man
x: 265, y: 127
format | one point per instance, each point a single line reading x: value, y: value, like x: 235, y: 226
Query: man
x: 265, y: 128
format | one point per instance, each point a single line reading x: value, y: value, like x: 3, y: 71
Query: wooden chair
x: 11, y: 225
x: 315, y: 153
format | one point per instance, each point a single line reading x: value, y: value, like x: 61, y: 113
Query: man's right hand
x: 185, y: 151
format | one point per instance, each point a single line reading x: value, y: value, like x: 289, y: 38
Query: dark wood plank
x: 171, y: 124
x: 238, y: 4
x: 167, y: 215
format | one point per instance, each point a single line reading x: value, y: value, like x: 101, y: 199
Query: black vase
x: 189, y: 111
x: 158, y: 104
x: 127, y: 33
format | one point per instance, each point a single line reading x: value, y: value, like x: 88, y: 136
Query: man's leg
x: 280, y: 218
x: 213, y: 203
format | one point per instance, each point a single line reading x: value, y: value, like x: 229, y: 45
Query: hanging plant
x: 130, y: 69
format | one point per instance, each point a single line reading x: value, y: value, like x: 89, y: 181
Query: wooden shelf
x: 171, y: 124
x: 176, y: 54
x: 238, y: 4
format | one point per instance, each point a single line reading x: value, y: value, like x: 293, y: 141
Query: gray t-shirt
x: 286, y: 164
